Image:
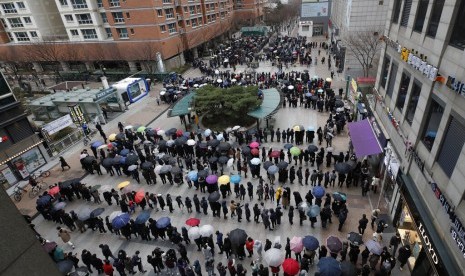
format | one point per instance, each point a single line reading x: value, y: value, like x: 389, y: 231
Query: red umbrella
x: 291, y: 266
x: 140, y: 195
x: 193, y: 222
x: 255, y: 151
x: 53, y: 191
x: 254, y: 145
x: 179, y: 132
x: 275, y: 154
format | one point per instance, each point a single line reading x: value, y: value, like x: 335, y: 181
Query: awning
x: 364, y: 139
x: 270, y: 104
x: 181, y: 107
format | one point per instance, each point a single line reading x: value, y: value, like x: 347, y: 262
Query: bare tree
x: 146, y: 53
x: 50, y: 52
x: 365, y: 47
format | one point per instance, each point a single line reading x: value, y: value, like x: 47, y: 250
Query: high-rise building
x: 102, y: 32
x: 349, y: 18
x: 21, y: 150
x: 419, y: 98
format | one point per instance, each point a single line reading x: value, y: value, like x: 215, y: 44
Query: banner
x: 58, y: 124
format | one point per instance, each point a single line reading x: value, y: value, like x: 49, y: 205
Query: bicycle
x: 18, y: 193
x: 36, y: 189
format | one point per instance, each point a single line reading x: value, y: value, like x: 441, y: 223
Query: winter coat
x: 64, y: 234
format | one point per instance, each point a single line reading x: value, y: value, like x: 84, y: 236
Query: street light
x: 386, y: 171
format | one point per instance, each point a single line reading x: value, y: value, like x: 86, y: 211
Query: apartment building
x: 419, y: 98
x: 98, y: 33
x: 349, y: 17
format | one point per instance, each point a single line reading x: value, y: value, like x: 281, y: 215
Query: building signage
x: 103, y: 94
x: 76, y: 114
x: 378, y: 132
x: 457, y: 230
x: 58, y: 124
x: 456, y: 85
x: 416, y: 158
x: 427, y: 242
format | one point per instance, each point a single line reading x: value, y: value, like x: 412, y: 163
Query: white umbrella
x: 219, y: 137
x: 219, y: 80
x: 207, y: 132
x: 106, y: 188
x: 132, y: 168
x: 230, y: 162
x: 236, y: 127
x: 320, y: 90
x: 255, y: 161
x: 194, y: 233
x: 169, y: 143
x: 114, y: 215
x: 233, y: 80
x: 83, y: 156
x: 217, y: 72
x: 158, y: 168
x: 299, y: 79
x: 206, y: 230
x: 196, y: 85
x: 228, y: 130
x: 128, y: 127
x: 162, y: 93
x: 329, y: 79
x: 290, y: 87
x: 161, y: 132
x: 274, y: 257
x: 190, y: 142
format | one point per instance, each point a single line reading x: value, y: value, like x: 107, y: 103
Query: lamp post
x: 386, y: 171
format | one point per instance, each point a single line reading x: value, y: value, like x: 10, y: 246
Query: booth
x: 132, y: 89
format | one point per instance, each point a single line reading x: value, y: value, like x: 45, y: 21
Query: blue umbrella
x: 97, y: 144
x: 124, y: 152
x: 122, y: 161
x: 186, y: 134
x: 318, y: 191
x: 313, y: 211
x: 65, y: 266
x: 308, y: 94
x: 273, y: 169
x: 120, y: 221
x: 192, y: 175
x: 235, y: 179
x: 339, y: 196
x: 142, y: 217
x: 310, y: 242
x: 43, y: 200
x: 163, y: 222
x: 328, y: 266
x: 288, y: 146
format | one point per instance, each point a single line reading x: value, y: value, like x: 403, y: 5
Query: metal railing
x: 56, y: 148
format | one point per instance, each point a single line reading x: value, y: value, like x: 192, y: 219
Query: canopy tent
x: 269, y: 106
x: 364, y: 139
x: 182, y: 106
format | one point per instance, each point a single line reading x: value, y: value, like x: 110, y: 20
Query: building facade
x: 21, y: 149
x: 419, y: 98
x: 316, y: 14
x: 85, y: 33
x: 349, y: 17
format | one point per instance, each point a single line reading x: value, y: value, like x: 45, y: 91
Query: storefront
x: 416, y: 228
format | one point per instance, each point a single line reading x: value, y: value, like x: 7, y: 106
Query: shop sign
x: 427, y: 242
x: 58, y: 124
x: 416, y: 158
x: 456, y: 85
x: 76, y: 114
x: 457, y: 230
x: 378, y: 132
x: 104, y: 93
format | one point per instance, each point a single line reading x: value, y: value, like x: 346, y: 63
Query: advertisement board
x: 315, y: 9
x: 58, y: 124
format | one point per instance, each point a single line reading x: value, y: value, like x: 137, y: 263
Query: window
x: 421, y: 14
x: 3, y: 23
x: 192, y: 9
x: 457, y: 38
x: 118, y: 17
x: 104, y: 17
x: 162, y: 28
x: 392, y: 80
x: 384, y: 73
x: 432, y: 123
x: 199, y: 21
x: 199, y: 10
x: 452, y: 144
x: 100, y: 3
x: 160, y: 13
x: 9, y: 8
x: 15, y: 22
x: 406, y: 13
x: 108, y: 32
x: 412, y: 105
x: 403, y: 88
x: 10, y: 36
x: 305, y: 28
x: 212, y: 6
x: 128, y: 16
x: 380, y: 3
x: 132, y: 31
x: 64, y: 2
x: 27, y: 20
x: 169, y: 13
x: 79, y: 4
x: 69, y: 18
x: 213, y: 17
x: 89, y: 34
x: 74, y: 32
x: 21, y: 5
x: 22, y: 36
x: 434, y: 18
x: 185, y: 9
x: 166, y: 1
x: 172, y: 28
x: 122, y: 32
x: 194, y: 22
x: 188, y: 22
x: 33, y: 34
x: 114, y: 3
x: 84, y: 18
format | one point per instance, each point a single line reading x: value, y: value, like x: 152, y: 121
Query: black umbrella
x: 176, y: 170
x: 214, y: 197
x: 107, y: 162
x: 355, y: 238
x: 116, y: 160
x: 180, y: 141
x: 213, y: 159
x: 170, y: 131
x: 314, y: 98
x: 267, y: 164
x: 68, y: 183
x: 224, y: 146
x: 245, y: 150
x: 202, y: 173
x: 65, y: 266
x: 120, y: 136
x: 312, y: 148
x: 150, y: 132
x: 88, y: 159
x: 162, y: 143
x: 223, y: 159
x: 166, y: 158
x: 97, y: 212
x: 343, y: 167
x: 238, y: 236
x: 147, y: 165
x: 282, y: 165
x: 203, y: 145
x: 339, y: 103
x: 213, y: 143
x: 131, y: 159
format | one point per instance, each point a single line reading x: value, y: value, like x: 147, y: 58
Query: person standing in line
x: 65, y: 236
x: 362, y: 224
